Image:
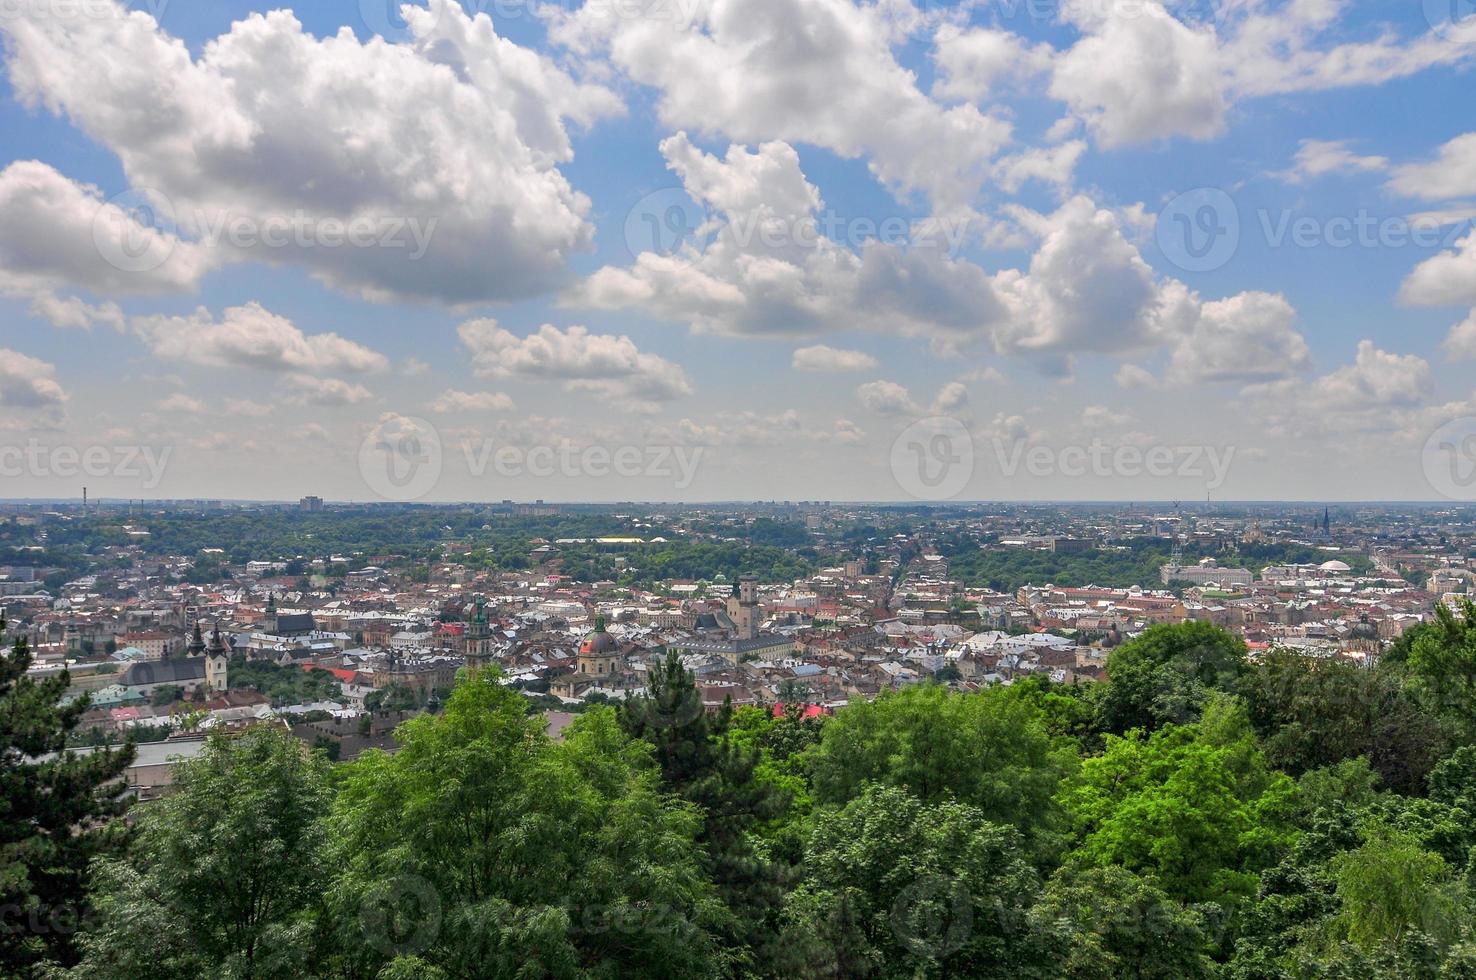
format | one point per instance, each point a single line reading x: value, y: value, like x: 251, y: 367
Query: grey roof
x: 164, y: 672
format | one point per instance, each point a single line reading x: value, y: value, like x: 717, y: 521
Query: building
x: 310, y: 503
x: 1207, y: 572
x: 203, y: 668
x: 478, y: 643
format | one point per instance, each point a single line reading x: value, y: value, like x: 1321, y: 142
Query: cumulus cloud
x: 1446, y: 279
x: 57, y: 234
x: 452, y: 401
x: 441, y: 152
x: 1139, y: 73
x: 761, y: 72
x: 822, y: 359
x: 1379, y: 391
x: 1451, y: 174
x: 306, y: 389
x: 181, y: 403
x: 604, y: 364
x: 1248, y: 337
x: 29, y: 384
x: 887, y: 398
x: 251, y: 336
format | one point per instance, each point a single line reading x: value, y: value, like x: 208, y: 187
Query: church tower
x: 478, y: 632
x: 216, y: 659
x: 196, y: 647
x: 743, y: 607
x: 269, y: 618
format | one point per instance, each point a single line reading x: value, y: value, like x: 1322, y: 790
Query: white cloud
x: 820, y: 358
x: 887, y: 398
x: 1139, y: 74
x: 821, y: 72
x: 251, y: 336
x: 1378, y: 392
x: 307, y: 389
x: 1451, y: 174
x: 30, y: 384
x: 451, y: 400
x: 1460, y: 343
x: 1446, y: 279
x: 1248, y: 337
x: 179, y: 402
x: 1319, y: 158
x: 449, y: 142
x: 973, y: 63
x: 57, y: 234
x: 600, y: 363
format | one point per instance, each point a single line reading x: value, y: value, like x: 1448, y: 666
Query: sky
x: 738, y: 249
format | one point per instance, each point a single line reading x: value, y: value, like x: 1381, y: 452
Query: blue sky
x: 1050, y: 144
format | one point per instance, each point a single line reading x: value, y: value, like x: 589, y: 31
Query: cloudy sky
x: 731, y: 249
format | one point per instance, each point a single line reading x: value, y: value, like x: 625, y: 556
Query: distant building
x: 310, y: 503
x: 1207, y: 572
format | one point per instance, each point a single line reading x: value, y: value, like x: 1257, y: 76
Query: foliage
x: 1195, y: 805
x: 990, y: 750
x: 1166, y: 675
x: 225, y: 875
x: 896, y: 887
x: 283, y: 684
x: 54, y: 805
x: 485, y: 849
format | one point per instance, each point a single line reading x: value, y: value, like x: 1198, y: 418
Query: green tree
x: 55, y: 807
x: 989, y: 749
x: 895, y: 887
x: 1194, y: 805
x: 1166, y: 675
x: 1315, y: 711
x: 1124, y: 925
x: 392, y: 697
x: 702, y: 764
x: 227, y: 871
x: 484, y: 849
x: 1392, y: 885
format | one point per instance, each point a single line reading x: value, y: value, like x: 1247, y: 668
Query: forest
x: 1200, y: 814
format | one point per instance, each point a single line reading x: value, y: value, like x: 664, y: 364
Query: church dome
x: 1334, y: 566
x: 598, y: 641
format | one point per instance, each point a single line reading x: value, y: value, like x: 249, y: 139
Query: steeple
x: 196, y: 647
x: 217, y: 646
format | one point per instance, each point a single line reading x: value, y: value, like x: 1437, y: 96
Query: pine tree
x: 700, y: 764
x: 55, y: 808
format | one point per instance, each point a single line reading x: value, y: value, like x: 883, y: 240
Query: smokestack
x: 84, y: 500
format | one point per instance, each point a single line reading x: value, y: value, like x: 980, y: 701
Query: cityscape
x: 737, y: 489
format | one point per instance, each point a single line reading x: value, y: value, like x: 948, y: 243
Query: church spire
x: 197, y: 642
